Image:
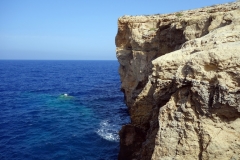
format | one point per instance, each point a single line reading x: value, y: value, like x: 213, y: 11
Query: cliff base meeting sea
x: 62, y: 110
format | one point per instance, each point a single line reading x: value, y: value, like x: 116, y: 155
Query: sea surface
x: 60, y: 110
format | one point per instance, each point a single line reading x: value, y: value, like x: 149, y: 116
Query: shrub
x: 179, y: 14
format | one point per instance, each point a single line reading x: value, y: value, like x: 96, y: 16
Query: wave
x: 108, y: 131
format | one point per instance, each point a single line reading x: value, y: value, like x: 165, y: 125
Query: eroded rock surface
x: 180, y: 75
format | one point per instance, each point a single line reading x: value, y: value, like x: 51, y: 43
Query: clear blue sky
x: 73, y: 29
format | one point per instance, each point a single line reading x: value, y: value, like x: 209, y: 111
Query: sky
x: 73, y: 29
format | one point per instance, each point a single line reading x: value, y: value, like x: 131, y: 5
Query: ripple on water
x: 60, y: 110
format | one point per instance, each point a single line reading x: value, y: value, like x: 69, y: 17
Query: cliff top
x: 209, y: 10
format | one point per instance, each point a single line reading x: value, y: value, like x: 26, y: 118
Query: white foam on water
x: 108, y: 131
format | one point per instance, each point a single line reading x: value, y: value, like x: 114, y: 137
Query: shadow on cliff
x: 137, y: 139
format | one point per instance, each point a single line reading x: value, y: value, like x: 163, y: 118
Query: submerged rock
x: 180, y: 75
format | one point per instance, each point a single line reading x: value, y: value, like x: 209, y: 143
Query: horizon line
x: 58, y: 59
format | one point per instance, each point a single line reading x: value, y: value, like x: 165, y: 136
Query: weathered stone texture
x: 180, y: 75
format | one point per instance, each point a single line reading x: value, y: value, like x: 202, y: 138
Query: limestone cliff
x: 180, y: 75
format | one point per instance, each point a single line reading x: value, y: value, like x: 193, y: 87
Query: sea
x: 60, y: 110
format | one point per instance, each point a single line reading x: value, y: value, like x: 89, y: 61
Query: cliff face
x: 180, y: 76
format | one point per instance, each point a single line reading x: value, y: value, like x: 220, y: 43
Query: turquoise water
x: 60, y: 110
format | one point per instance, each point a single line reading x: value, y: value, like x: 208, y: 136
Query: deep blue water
x: 37, y: 121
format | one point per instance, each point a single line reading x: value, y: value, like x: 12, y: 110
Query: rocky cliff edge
x: 180, y: 75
